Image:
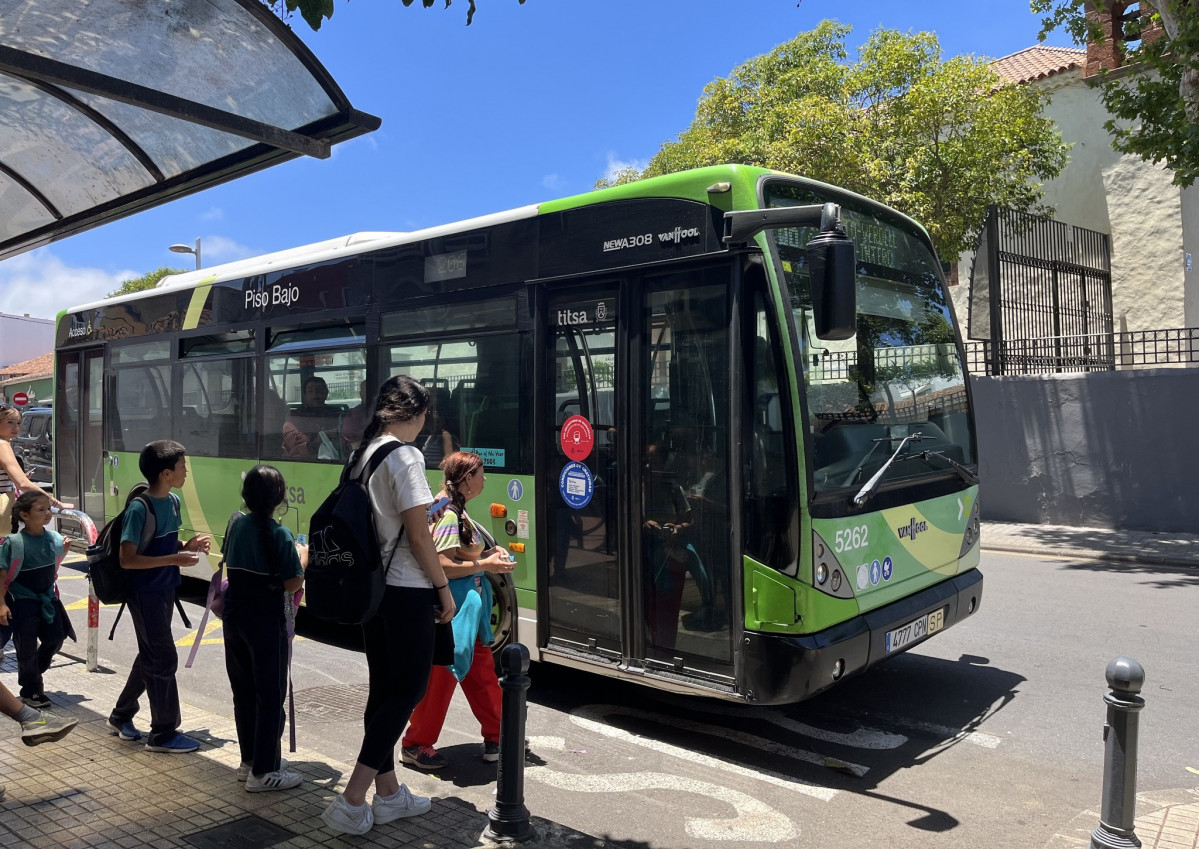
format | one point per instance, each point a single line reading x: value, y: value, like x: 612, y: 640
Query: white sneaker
x: 245, y: 768
x: 47, y: 728
x: 280, y: 779
x: 404, y: 803
x: 344, y: 818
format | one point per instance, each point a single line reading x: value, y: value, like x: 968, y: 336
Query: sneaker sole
x: 49, y: 736
x: 490, y: 759
x: 114, y: 731
x: 263, y: 788
x: 338, y: 828
x: 407, y: 761
x: 168, y: 751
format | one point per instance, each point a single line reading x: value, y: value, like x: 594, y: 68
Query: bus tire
x: 503, y: 611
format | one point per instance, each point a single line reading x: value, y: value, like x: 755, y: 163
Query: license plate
x: 915, y: 630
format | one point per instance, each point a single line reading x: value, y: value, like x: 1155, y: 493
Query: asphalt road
x: 988, y: 735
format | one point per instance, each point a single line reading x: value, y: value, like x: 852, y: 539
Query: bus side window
x: 768, y: 501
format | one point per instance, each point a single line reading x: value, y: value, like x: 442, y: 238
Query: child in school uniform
x: 29, y: 570
x: 263, y: 563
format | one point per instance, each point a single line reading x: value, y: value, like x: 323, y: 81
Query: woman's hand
x: 498, y: 561
x: 447, y: 608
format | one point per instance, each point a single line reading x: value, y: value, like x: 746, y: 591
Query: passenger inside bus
x: 353, y: 423
x: 436, y: 439
x: 313, y: 429
x: 667, y: 552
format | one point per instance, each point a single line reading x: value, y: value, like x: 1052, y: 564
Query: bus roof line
x: 329, y: 249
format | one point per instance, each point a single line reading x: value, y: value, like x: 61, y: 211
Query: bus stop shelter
x: 110, y: 107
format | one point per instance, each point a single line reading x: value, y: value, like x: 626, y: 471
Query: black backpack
x: 104, y: 557
x: 346, y: 576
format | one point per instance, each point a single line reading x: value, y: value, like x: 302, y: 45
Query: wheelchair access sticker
x: 576, y: 485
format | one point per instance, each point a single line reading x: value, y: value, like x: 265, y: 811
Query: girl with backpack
x: 467, y: 551
x: 263, y: 564
x: 29, y: 562
x: 12, y: 476
x: 399, y: 638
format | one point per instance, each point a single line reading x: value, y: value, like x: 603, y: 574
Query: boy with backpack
x: 152, y: 574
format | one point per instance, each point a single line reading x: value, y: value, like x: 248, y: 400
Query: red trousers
x: 482, y: 689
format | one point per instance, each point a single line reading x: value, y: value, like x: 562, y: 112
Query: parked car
x: 33, y: 445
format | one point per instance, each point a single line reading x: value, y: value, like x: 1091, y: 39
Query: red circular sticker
x: 577, y: 438
x: 20, y: 399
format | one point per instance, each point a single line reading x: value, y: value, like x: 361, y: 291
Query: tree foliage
x: 314, y: 12
x: 1155, y: 109
x: 146, y: 281
x: 938, y: 139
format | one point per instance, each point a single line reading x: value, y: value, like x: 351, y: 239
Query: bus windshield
x: 900, y: 375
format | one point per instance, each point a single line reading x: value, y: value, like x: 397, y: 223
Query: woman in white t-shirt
x: 399, y: 639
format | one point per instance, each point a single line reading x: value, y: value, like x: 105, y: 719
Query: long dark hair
x: 24, y: 504
x: 263, y: 491
x: 458, y: 468
x: 400, y: 399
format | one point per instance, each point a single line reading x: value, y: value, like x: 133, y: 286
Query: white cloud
x: 215, y: 250
x: 214, y: 213
x: 616, y: 165
x: 40, y: 284
x: 553, y: 182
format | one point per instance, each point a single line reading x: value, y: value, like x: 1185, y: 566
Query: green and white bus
x: 724, y: 416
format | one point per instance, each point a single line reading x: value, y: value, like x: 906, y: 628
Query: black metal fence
x: 1084, y: 352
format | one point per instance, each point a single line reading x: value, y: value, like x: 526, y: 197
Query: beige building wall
x: 1131, y: 200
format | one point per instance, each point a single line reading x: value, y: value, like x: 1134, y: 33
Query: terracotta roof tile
x: 1036, y: 63
x: 38, y: 365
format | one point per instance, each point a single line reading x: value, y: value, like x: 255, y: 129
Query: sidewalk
x: 92, y: 789
x: 1092, y: 543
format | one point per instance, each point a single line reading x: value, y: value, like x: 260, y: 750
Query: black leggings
x: 399, y: 655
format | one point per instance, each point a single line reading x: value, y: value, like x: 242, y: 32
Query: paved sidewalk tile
x: 93, y: 789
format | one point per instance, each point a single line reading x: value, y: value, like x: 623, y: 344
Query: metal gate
x: 1041, y: 295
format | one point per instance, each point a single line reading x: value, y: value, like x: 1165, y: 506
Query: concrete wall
x: 1108, y: 449
x: 23, y: 338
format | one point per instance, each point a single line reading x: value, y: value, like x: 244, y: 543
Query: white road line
x: 755, y: 821
x: 593, y: 718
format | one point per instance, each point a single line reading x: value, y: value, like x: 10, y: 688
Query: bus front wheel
x: 503, y: 611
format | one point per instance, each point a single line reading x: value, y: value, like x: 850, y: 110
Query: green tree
x: 146, y: 281
x: 314, y: 12
x: 1155, y: 112
x: 938, y: 139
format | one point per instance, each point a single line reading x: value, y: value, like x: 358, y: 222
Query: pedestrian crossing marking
x: 214, y: 625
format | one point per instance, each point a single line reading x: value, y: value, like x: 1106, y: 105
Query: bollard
x: 93, y: 629
x: 1116, y: 830
x: 508, y: 821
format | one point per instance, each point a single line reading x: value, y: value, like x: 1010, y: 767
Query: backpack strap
x: 212, y: 590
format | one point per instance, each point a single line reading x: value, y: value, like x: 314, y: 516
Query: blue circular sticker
x: 876, y: 572
x: 516, y: 489
x: 888, y: 568
x: 576, y: 485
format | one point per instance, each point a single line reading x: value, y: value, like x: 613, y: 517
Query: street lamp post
x: 184, y: 249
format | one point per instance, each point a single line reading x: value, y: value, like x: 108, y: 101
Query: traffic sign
x: 20, y: 399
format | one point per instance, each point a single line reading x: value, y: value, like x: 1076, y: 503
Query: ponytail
x: 458, y: 468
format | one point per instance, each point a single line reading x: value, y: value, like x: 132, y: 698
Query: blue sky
x: 527, y: 104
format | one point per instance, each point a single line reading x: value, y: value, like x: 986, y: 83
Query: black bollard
x: 1116, y: 829
x: 508, y: 821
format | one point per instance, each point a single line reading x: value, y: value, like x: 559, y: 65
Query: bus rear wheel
x: 503, y: 611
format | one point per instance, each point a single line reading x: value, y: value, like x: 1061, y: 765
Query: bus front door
x: 584, y: 525
x: 79, y: 474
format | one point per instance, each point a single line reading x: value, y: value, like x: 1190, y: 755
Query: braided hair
x: 263, y: 491
x: 400, y: 399
x: 458, y: 468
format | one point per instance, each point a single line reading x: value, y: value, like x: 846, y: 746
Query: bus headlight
x: 821, y: 573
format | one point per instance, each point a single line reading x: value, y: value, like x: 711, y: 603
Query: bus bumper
x: 781, y: 669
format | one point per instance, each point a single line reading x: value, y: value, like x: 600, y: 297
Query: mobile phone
x: 438, y: 504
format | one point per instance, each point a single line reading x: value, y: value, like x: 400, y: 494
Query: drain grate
x: 251, y: 832
x: 331, y: 704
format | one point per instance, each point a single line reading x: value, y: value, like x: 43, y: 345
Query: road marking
x: 213, y: 625
x: 593, y: 718
x: 755, y: 821
x: 71, y: 577
x: 82, y: 605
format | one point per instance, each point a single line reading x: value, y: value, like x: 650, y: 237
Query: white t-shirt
x: 397, y: 485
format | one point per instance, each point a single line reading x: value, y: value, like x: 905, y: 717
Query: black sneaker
x: 491, y: 751
x: 38, y: 702
x: 422, y: 757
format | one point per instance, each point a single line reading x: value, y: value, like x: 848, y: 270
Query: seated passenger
x: 354, y: 423
x: 313, y: 429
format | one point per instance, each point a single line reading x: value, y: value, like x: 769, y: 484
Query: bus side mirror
x: 833, y: 274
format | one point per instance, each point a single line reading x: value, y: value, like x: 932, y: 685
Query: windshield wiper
x: 964, y: 473
x: 871, y: 485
